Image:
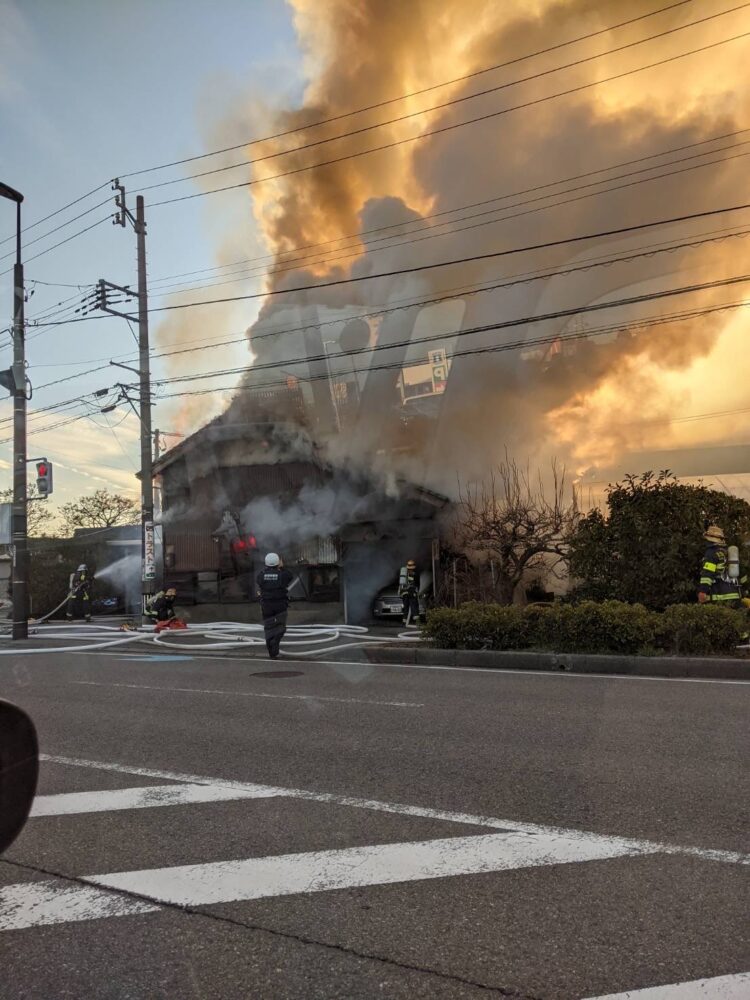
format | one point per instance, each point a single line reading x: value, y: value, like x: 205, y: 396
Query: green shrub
x: 588, y: 627
x: 479, y: 626
x: 698, y: 630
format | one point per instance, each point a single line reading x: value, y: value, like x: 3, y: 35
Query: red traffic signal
x: 44, y: 478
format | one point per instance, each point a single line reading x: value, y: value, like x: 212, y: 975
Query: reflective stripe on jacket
x: 713, y: 576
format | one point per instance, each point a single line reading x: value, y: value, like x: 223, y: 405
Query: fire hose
x: 217, y: 636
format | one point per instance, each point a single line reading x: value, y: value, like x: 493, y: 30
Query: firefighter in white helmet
x: 273, y: 590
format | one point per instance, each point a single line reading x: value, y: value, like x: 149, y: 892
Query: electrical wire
x: 62, y: 242
x: 57, y: 211
x: 431, y: 338
x: 57, y: 229
x: 448, y: 295
x: 448, y: 127
x: 461, y: 208
x: 446, y: 104
x: 403, y: 97
x: 476, y: 258
x: 349, y: 114
x: 492, y: 255
x: 466, y: 352
x: 370, y: 248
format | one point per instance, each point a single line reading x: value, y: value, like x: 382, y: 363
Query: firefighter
x: 720, y: 583
x: 161, y: 606
x: 273, y: 590
x: 79, y: 594
x: 408, y: 589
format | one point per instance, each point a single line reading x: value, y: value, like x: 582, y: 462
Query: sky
x: 89, y: 91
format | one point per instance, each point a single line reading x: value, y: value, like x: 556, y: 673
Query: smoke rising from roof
x: 584, y: 401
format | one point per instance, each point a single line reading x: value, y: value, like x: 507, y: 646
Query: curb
x: 708, y: 668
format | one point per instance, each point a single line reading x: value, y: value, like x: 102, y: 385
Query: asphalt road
x: 234, y: 828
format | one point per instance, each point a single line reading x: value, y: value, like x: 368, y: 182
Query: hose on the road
x: 216, y: 636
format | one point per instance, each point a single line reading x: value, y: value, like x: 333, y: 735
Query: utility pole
x: 20, y: 577
x: 138, y: 222
x: 148, y: 549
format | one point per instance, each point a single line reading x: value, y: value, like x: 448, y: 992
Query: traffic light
x: 44, y: 478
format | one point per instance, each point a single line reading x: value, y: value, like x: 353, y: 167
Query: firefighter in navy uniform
x: 79, y: 596
x: 720, y: 578
x: 273, y: 589
x: 161, y: 606
x: 408, y: 589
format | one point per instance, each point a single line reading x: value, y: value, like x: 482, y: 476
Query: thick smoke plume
x: 585, y: 401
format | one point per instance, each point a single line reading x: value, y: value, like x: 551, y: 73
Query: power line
x: 371, y: 248
x: 380, y: 104
x: 446, y: 104
x: 57, y: 211
x: 62, y: 242
x: 504, y: 325
x: 57, y: 229
x: 493, y: 255
x: 402, y: 97
x: 448, y: 295
x: 449, y: 127
x: 490, y: 349
x: 461, y: 208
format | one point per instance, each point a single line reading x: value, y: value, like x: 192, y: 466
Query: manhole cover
x: 278, y: 673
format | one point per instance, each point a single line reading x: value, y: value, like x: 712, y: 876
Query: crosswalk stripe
x: 402, y: 809
x: 151, y: 796
x: 720, y: 988
x: 318, y: 871
x: 35, y: 904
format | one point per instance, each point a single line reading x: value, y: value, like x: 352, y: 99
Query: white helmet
x: 82, y: 568
x: 272, y: 559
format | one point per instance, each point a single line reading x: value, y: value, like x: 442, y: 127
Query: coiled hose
x: 299, y: 640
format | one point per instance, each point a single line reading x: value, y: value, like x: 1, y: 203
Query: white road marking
x: 720, y: 988
x: 142, y: 798
x: 34, y: 904
x: 491, y: 671
x: 499, y: 671
x: 254, y: 694
x: 319, y: 871
x: 707, y: 854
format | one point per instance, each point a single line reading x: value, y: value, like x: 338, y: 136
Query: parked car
x: 388, y: 606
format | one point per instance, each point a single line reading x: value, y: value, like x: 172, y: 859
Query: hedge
x: 589, y: 627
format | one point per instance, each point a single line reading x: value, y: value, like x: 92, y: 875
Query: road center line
x: 254, y: 694
x: 529, y: 829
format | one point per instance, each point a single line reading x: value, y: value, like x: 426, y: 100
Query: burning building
x: 517, y: 233
x: 235, y: 490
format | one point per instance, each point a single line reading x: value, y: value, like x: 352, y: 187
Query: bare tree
x: 511, y: 525
x: 100, y: 509
x: 39, y: 518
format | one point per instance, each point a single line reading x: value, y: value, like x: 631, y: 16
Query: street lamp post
x: 20, y: 576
